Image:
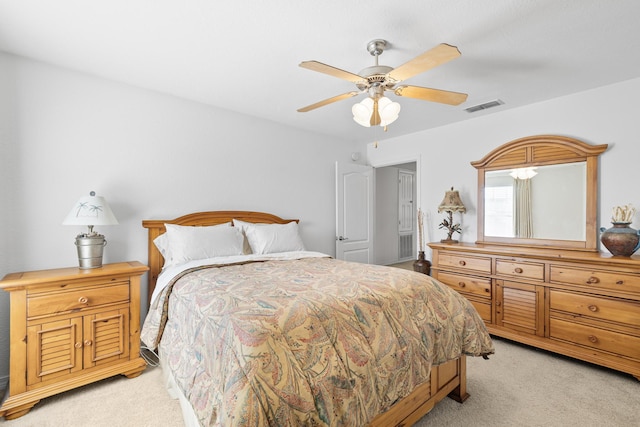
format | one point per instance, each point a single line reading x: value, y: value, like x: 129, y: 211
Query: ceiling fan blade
x: 327, y: 101
x: 333, y: 71
x: 430, y: 59
x: 433, y: 95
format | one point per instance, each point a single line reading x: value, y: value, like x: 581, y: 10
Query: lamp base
x: 90, y: 248
x: 448, y: 241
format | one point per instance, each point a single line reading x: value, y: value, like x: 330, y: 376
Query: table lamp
x: 90, y: 210
x: 450, y: 204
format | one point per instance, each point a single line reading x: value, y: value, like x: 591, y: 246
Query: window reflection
x: 499, y: 208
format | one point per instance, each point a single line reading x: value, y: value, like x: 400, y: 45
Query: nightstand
x: 71, y: 327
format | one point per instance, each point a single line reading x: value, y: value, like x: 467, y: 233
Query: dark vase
x: 621, y: 240
x: 422, y: 265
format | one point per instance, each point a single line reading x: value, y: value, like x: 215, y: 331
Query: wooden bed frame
x: 448, y: 379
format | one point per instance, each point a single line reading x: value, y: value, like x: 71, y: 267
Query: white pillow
x: 242, y: 226
x: 187, y: 243
x: 272, y: 238
x: 162, y: 241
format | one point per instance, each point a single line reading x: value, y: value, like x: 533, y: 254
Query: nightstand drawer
x: 479, y: 286
x: 596, y: 278
x: 77, y: 299
x: 465, y: 262
x: 621, y: 311
x: 592, y: 337
x: 527, y: 270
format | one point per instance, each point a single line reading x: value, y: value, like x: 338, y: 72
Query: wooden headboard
x: 156, y: 228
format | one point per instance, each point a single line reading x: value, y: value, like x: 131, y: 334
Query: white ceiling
x: 243, y: 55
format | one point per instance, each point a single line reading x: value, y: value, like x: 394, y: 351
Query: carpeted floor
x: 518, y: 386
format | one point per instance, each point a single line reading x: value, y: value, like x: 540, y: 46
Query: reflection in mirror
x: 544, y: 202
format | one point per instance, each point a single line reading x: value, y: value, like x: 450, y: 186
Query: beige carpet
x: 518, y: 386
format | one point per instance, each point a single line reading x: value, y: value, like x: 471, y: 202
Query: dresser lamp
x: 450, y: 204
x: 90, y: 210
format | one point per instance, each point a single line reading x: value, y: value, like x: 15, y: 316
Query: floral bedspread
x: 313, y: 341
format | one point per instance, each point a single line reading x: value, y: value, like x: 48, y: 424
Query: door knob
x: 342, y: 238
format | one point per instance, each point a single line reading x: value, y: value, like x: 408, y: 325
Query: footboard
x: 447, y: 379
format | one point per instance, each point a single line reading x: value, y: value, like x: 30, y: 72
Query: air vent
x: 484, y: 106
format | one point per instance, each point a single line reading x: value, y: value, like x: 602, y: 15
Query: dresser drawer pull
x: 593, y: 338
x: 78, y: 345
x: 88, y: 343
x: 462, y: 284
x: 83, y: 300
x: 462, y: 262
x: 593, y: 308
x: 592, y: 280
x: 620, y: 282
x: 518, y: 270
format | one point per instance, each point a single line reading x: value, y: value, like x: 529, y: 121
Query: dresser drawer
x: 465, y: 262
x: 596, y: 278
x: 467, y: 284
x: 527, y: 270
x: 592, y: 337
x: 615, y: 310
x: 77, y: 299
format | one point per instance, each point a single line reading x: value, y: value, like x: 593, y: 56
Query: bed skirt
x: 188, y: 414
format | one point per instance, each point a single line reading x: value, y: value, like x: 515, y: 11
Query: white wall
x: 151, y: 156
x: 607, y: 115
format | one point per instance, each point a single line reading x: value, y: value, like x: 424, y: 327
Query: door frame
x: 396, y: 161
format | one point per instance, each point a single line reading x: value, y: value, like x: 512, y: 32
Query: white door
x: 354, y: 212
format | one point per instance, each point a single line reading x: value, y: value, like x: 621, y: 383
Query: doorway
x: 395, y: 213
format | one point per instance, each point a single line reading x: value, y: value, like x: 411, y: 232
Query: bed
x: 273, y: 334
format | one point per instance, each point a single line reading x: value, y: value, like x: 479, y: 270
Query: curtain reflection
x: 523, y: 220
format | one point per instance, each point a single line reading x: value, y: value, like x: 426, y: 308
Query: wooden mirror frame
x: 542, y: 150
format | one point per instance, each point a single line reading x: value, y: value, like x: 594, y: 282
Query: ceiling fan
x: 375, y: 80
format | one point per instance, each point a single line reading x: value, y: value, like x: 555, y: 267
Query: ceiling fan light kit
x: 364, y: 112
x: 376, y: 109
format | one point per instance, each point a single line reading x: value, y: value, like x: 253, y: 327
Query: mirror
x: 539, y: 191
x: 520, y: 206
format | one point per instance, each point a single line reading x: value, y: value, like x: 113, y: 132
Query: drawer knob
x: 83, y: 300
x: 593, y: 338
x: 518, y: 270
x: 462, y: 284
x: 592, y: 280
x: 593, y: 308
x: 462, y: 262
x: 88, y: 343
x: 620, y: 282
x: 78, y: 345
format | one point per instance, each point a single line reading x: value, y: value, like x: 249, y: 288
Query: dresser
x: 584, y: 305
x: 71, y: 327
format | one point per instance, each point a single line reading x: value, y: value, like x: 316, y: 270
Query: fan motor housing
x: 374, y: 74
